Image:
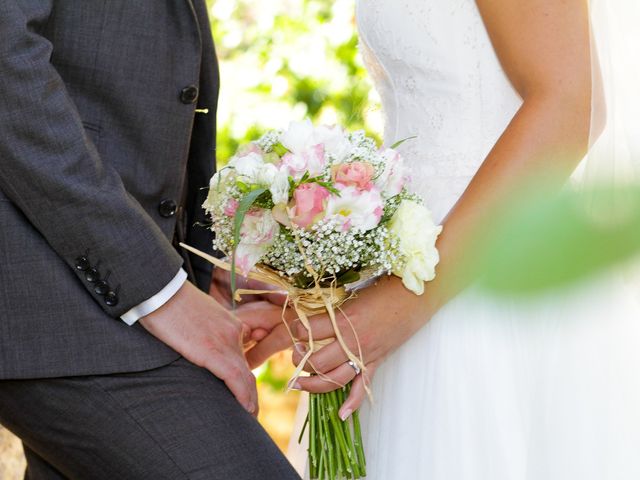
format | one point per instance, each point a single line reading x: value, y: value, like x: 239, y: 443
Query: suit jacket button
x: 92, y: 275
x: 82, y: 264
x: 102, y: 288
x: 167, y: 208
x: 111, y: 299
x: 189, y: 95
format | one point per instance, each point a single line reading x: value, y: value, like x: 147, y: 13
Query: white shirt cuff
x: 155, y: 302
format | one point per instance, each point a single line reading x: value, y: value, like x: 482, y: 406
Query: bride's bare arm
x: 544, y: 48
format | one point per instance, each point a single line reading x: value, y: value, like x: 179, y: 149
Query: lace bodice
x: 439, y: 79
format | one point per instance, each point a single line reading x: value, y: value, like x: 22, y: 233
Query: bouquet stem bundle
x: 335, y: 447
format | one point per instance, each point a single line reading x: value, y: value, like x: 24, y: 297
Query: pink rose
x: 230, y: 207
x: 356, y: 174
x: 308, y: 204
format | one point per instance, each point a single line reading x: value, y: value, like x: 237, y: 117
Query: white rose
x: 247, y: 167
x: 217, y: 187
x: 298, y: 137
x: 265, y: 174
x: 413, y: 225
x: 356, y: 208
x: 280, y: 187
x: 301, y: 137
x: 335, y: 141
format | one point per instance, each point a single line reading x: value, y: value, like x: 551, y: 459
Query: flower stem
x: 313, y: 434
x: 358, y: 443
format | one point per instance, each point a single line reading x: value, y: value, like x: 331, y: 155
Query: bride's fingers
x: 326, y: 383
x: 357, y: 394
x: 321, y: 327
x: 325, y: 360
x: 273, y: 343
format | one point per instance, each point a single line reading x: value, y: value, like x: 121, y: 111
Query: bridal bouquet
x: 317, y: 211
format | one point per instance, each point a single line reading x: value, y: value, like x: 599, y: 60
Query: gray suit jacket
x: 102, y: 161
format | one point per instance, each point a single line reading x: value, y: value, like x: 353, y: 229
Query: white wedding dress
x: 489, y: 389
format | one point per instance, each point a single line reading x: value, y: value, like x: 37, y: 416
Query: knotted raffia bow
x: 306, y: 302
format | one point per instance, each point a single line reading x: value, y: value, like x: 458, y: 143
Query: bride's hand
x: 383, y: 316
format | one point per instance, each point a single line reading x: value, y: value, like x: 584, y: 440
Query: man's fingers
x: 221, y: 289
x: 273, y: 343
x: 324, y: 360
x: 327, y: 383
x: 238, y: 379
x: 221, y: 295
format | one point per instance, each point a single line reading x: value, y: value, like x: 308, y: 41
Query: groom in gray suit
x: 112, y: 363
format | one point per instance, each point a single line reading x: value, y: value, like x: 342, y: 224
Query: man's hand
x: 259, y: 312
x: 221, y: 289
x: 206, y: 334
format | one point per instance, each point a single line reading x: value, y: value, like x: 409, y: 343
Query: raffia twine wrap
x: 306, y: 302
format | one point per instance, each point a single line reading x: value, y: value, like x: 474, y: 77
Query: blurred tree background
x: 284, y: 60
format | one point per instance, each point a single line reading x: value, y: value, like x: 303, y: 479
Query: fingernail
x: 301, y: 348
x: 251, y: 408
x: 296, y: 386
x: 346, y: 414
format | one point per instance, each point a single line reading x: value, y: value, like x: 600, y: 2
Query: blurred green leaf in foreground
x: 546, y: 240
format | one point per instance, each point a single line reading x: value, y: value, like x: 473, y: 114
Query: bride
x: 468, y: 386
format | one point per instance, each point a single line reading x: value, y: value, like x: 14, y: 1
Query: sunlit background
x: 280, y: 60
x: 284, y: 60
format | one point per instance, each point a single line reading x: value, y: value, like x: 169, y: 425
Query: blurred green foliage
x: 545, y: 240
x: 283, y: 60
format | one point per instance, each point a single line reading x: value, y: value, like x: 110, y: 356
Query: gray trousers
x: 173, y: 422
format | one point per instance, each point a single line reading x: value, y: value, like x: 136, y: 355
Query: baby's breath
x: 269, y: 140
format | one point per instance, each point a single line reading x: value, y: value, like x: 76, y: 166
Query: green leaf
x: 546, y: 240
x: 348, y: 277
x: 280, y: 149
x: 400, y: 142
x: 243, y: 207
x: 243, y: 187
x: 329, y: 186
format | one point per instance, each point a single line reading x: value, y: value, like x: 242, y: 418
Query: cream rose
x: 413, y: 225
